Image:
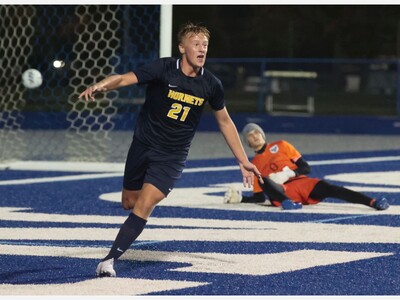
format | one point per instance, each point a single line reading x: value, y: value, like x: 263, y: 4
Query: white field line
x: 274, y: 232
x: 218, y: 263
x: 65, y: 166
x: 116, y: 169
x: 59, y: 178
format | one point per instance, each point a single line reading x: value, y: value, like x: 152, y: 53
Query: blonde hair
x: 189, y: 29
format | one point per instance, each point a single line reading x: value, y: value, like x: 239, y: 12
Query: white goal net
x: 72, y: 46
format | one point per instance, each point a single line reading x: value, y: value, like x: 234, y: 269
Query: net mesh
x: 92, y: 42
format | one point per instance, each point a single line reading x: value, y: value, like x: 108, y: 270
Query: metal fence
x: 310, y: 86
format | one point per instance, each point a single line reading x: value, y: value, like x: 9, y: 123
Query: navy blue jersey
x: 174, y: 104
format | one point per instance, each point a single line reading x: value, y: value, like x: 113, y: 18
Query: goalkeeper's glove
x: 289, y: 204
x: 232, y: 195
x: 282, y: 176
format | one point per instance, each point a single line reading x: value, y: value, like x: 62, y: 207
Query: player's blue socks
x: 130, y: 230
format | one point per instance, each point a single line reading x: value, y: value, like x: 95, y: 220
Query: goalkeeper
x: 286, y: 183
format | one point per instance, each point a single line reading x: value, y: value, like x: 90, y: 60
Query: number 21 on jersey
x: 178, y: 111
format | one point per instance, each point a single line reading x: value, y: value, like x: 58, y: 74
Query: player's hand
x: 91, y: 91
x: 248, y: 172
x: 282, y: 176
x: 232, y: 195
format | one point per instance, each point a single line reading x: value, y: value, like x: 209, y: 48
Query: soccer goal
x: 72, y: 46
x: 290, y: 92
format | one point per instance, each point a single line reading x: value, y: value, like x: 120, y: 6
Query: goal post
x: 166, y: 15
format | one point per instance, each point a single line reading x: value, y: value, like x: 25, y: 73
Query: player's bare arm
x: 231, y: 136
x: 109, y: 83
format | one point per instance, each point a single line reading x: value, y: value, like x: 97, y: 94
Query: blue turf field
x: 53, y: 233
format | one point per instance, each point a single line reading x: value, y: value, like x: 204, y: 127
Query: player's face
x: 194, y: 50
x: 255, y: 140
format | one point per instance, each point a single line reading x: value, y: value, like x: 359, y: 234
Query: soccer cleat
x: 106, y: 268
x: 380, y: 204
x: 289, y: 204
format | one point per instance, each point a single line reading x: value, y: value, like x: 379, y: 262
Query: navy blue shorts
x: 148, y: 165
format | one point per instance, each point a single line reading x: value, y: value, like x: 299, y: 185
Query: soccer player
x: 177, y: 90
x: 286, y: 183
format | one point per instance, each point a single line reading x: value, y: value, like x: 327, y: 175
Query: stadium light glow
x: 58, y: 64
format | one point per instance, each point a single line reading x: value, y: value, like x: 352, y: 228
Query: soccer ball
x: 32, y: 78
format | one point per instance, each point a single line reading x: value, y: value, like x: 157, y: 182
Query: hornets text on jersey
x: 174, y: 104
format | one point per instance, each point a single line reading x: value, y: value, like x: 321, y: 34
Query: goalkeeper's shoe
x: 106, y: 268
x: 289, y: 204
x: 380, y: 204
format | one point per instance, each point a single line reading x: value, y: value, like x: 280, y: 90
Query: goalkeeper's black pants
x: 273, y: 190
x: 324, y: 190
x: 321, y: 191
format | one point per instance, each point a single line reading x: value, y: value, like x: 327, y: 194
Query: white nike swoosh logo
x: 172, y: 86
x: 119, y: 249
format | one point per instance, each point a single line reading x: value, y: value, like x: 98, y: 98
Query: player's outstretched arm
x: 109, y: 83
x: 232, y: 138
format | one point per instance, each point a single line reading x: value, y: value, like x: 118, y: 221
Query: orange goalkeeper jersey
x: 275, y: 157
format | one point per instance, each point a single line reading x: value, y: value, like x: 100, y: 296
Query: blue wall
x: 288, y: 124
x: 315, y: 124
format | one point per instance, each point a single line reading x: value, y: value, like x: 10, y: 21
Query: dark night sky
x: 322, y: 31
